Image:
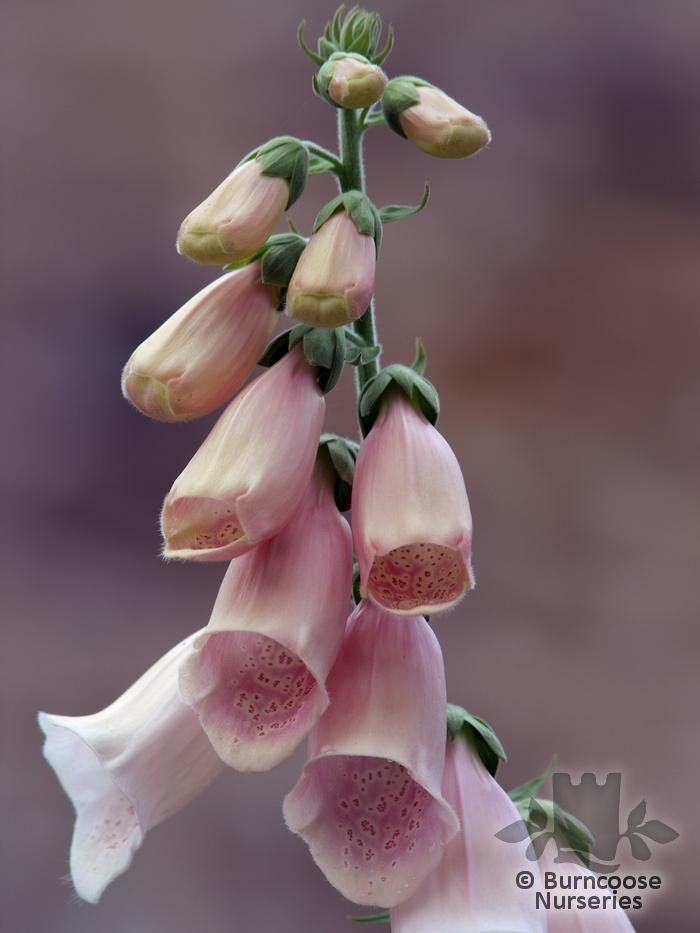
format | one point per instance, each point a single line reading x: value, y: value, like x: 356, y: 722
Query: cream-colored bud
x: 237, y: 217
x: 355, y: 83
x: 440, y: 126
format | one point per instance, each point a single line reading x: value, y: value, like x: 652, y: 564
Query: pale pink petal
x: 473, y: 888
x: 368, y: 802
x: 126, y: 769
x: 257, y: 678
x: 355, y: 83
x: 246, y: 480
x: 411, y: 520
x: 440, y: 126
x: 333, y: 281
x: 201, y: 355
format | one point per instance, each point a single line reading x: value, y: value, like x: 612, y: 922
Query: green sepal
x: 478, y: 733
x: 529, y: 789
x: 544, y: 820
x: 320, y: 166
x: 373, y: 918
x: 282, y: 252
x: 276, y: 349
x: 356, y: 594
x: 359, y: 209
x: 400, y: 94
x: 356, y: 32
x: 324, y: 348
x: 393, y: 212
x: 285, y: 157
x: 342, y: 454
x: 420, y: 392
x: 359, y: 352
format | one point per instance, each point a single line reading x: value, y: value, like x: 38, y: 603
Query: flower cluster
x: 393, y: 814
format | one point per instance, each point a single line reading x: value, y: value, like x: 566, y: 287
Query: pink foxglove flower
x: 126, y: 769
x: 473, y: 888
x: 257, y: 678
x: 602, y: 919
x: 351, y: 81
x: 248, y: 477
x: 201, y: 355
x: 236, y: 218
x: 440, y: 126
x: 368, y: 802
x: 333, y: 281
x: 411, y: 520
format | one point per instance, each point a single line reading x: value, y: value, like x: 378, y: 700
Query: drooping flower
x: 126, y: 769
x: 333, y: 281
x: 257, y: 678
x: 236, y: 218
x: 432, y: 120
x: 607, y: 918
x: 351, y: 81
x: 368, y: 802
x: 411, y: 520
x: 248, y: 477
x: 473, y: 889
x: 201, y: 355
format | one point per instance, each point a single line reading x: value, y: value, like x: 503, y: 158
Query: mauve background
x: 555, y: 280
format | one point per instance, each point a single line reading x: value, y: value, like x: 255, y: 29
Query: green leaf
x: 524, y: 792
x: 393, y: 212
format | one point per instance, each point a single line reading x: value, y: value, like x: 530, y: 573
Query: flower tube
x: 201, y: 355
x: 474, y: 889
x: 411, y: 520
x: 368, y: 802
x: 257, y: 677
x: 248, y: 477
x: 126, y: 769
x: 333, y: 282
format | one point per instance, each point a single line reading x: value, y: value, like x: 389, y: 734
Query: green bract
x: 324, y: 348
x: 359, y: 209
x: 284, y: 157
x: 399, y: 95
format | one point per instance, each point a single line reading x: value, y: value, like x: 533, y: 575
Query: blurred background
x: 555, y: 281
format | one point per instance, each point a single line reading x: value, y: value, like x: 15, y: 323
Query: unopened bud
x: 350, y: 81
x: 333, y: 281
x: 236, y: 218
x: 432, y: 120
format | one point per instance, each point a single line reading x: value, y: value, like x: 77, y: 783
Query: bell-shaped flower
x: 333, y: 282
x: 606, y: 918
x: 236, y: 218
x: 128, y: 768
x: 440, y: 126
x: 257, y: 678
x: 411, y: 520
x: 368, y: 802
x: 351, y: 81
x: 201, y: 355
x: 473, y: 889
x: 248, y: 477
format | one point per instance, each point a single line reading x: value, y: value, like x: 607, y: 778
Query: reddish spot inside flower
x: 261, y: 689
x: 421, y: 577
x: 201, y: 524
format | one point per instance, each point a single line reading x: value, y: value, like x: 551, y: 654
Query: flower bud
x: 368, y: 802
x: 411, y: 521
x: 473, y: 887
x: 333, y: 282
x: 432, y: 120
x: 258, y: 676
x: 248, y: 477
x: 350, y: 81
x: 201, y: 355
x: 236, y: 218
x: 128, y: 768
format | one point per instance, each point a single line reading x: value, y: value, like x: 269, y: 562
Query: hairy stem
x: 353, y: 178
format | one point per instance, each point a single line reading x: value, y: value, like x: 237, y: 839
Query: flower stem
x: 353, y: 179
